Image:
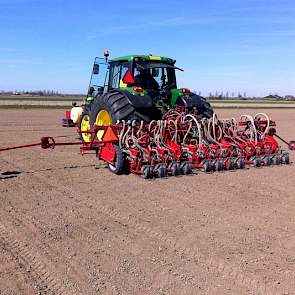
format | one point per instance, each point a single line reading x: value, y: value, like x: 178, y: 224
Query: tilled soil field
x: 69, y: 226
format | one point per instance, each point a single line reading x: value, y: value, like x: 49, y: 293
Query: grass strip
x: 40, y: 99
x: 253, y: 101
x: 31, y: 107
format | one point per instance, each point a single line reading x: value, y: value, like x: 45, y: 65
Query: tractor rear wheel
x: 107, y: 110
x: 206, y: 110
x: 113, y: 106
x: 197, y: 102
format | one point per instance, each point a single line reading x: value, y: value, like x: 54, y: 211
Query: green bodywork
x: 173, y: 94
x: 131, y: 58
x: 130, y: 90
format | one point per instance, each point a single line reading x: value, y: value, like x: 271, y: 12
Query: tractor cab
x: 99, y: 78
x: 133, y: 88
x: 138, y: 74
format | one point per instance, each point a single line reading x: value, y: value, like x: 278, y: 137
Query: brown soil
x: 67, y: 225
x: 35, y: 102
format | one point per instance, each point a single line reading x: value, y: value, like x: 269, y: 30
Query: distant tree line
x: 34, y: 92
x: 227, y: 95
x: 243, y: 96
x: 212, y: 95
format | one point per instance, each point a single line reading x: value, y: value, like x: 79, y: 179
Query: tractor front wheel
x: 85, y: 126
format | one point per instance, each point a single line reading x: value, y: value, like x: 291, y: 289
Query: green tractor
x: 134, y: 87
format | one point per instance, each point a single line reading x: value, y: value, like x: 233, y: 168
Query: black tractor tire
x: 120, y: 163
x: 194, y: 101
x: 119, y: 108
x: 206, y: 109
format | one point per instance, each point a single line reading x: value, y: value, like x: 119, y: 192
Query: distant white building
x: 273, y: 97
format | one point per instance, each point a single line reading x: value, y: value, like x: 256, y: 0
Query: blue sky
x: 229, y: 45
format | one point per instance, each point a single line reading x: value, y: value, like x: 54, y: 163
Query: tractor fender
x: 196, y: 101
x: 192, y: 100
x: 136, y: 100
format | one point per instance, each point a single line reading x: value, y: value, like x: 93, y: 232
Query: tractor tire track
x: 45, y: 278
x: 214, y: 265
x: 75, y: 277
x: 29, y: 223
x: 170, y: 270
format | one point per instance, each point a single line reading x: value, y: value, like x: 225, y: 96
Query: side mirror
x: 100, y: 90
x: 90, y: 91
x: 155, y: 72
x: 96, y: 69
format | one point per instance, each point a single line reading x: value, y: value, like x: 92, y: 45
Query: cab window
x: 118, y: 72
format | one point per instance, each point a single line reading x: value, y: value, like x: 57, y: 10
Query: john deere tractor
x: 134, y: 87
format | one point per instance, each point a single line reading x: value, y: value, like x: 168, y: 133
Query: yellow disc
x: 85, y: 125
x: 103, y: 118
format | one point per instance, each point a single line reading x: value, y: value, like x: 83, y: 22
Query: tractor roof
x: 144, y: 57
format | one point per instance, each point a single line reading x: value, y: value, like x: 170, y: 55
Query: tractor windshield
x: 155, y: 75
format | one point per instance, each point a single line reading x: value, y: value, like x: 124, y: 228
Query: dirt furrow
x: 213, y: 265
x: 227, y: 233
x: 46, y: 279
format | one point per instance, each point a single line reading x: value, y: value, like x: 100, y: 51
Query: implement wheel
x: 276, y: 160
x: 186, y: 168
x: 206, y: 166
x: 286, y: 158
x: 241, y: 163
x: 147, y: 172
x: 120, y: 163
x: 267, y: 161
x: 229, y: 164
x: 218, y: 165
x: 257, y: 162
x: 161, y: 170
x: 175, y: 169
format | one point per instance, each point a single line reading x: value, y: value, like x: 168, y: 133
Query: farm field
x: 59, y: 102
x: 37, y: 102
x: 67, y: 225
x: 39, y: 98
